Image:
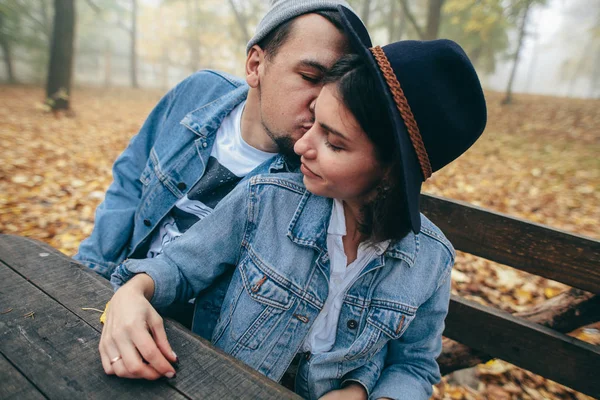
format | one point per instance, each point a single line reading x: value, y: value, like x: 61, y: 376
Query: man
x: 208, y: 133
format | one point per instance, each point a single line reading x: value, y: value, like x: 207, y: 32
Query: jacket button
x: 204, y: 144
x: 352, y: 324
x: 147, y: 222
x: 181, y: 186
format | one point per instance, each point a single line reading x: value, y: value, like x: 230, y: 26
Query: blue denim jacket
x: 162, y: 162
x: 273, y: 233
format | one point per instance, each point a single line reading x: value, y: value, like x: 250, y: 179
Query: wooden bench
x: 560, y: 256
x: 49, y: 339
x: 38, y: 278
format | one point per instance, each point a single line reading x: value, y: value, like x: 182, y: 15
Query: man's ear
x: 254, y: 65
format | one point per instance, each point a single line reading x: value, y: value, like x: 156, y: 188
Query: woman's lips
x: 307, y: 172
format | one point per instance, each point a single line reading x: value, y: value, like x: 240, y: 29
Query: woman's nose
x: 303, y: 146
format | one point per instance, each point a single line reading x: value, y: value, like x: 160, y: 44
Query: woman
x: 335, y: 264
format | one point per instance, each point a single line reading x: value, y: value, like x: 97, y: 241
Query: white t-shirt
x: 321, y: 337
x: 230, y: 160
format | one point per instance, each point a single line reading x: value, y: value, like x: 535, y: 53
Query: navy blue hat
x: 434, y: 98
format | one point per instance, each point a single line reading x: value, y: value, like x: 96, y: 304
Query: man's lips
x: 307, y: 172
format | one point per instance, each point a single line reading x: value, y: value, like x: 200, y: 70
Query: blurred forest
x: 157, y: 43
x: 107, y: 62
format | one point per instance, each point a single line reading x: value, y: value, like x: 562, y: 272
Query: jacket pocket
x: 385, y: 322
x: 261, y: 304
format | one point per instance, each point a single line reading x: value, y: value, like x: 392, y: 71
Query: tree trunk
x: 391, y: 22
x: 133, y: 55
x: 595, y: 81
x: 434, y: 18
x: 411, y: 18
x: 5, y: 44
x: 241, y: 20
x: 194, y: 34
x: 508, y: 97
x: 58, y: 86
x: 107, y: 64
x: 366, y: 12
x: 563, y: 313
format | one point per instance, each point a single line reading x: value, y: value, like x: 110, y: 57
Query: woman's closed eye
x: 331, y: 146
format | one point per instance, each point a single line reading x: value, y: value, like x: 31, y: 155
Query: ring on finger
x: 114, y: 360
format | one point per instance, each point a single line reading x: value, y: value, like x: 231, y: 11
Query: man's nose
x: 311, y: 106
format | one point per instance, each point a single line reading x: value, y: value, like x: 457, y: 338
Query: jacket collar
x: 309, y: 227
x: 205, y: 121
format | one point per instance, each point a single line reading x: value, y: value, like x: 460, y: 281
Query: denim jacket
x: 272, y: 232
x: 162, y: 162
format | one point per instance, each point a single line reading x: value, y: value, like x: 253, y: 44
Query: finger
x: 133, y: 364
x: 151, y: 353
x: 157, y: 328
x: 108, y: 370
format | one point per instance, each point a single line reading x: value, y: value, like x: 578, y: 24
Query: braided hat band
x: 404, y: 109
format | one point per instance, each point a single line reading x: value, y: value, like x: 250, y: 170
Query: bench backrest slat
x: 540, y: 250
x: 542, y: 350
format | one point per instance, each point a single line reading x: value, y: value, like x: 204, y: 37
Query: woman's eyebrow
x: 333, y: 131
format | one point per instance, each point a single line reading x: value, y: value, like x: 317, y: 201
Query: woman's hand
x: 134, y: 343
x: 353, y: 391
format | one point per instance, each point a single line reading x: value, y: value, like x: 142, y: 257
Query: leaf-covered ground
x: 538, y: 160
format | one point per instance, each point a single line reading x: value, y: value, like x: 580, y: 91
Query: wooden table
x: 49, y: 343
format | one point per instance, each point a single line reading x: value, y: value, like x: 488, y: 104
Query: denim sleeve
x: 198, y: 257
x: 107, y: 246
x: 410, y: 369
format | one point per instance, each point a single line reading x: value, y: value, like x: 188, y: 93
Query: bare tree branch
x: 94, y: 6
x: 412, y: 19
x: 241, y: 20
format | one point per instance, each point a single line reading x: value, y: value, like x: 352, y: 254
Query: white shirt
x: 231, y: 159
x: 321, y: 337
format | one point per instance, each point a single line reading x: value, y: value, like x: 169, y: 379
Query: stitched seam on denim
x: 402, y: 255
x: 394, y: 306
x: 276, y: 181
x: 373, y: 338
x: 292, y: 225
x: 356, y: 301
x: 281, y: 281
x: 386, y: 329
x: 444, y: 241
x: 262, y: 299
x: 258, y: 323
x: 247, y: 223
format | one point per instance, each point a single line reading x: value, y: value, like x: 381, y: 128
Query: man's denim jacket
x: 274, y: 232
x: 162, y: 162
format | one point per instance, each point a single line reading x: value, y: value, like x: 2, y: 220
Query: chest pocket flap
x: 264, y: 285
x: 391, y: 319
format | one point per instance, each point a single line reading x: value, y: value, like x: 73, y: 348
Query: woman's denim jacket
x: 274, y: 231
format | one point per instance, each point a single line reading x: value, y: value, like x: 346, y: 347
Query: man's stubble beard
x: 283, y: 141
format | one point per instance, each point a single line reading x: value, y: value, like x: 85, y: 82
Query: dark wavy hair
x: 384, y: 217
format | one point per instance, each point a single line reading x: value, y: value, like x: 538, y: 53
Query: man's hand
x: 133, y: 342
x: 353, y: 391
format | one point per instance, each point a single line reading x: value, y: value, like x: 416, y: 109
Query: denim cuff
x: 367, y: 375
x: 165, y: 279
x: 104, y: 270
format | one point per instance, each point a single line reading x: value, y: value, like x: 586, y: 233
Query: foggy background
x: 560, y: 52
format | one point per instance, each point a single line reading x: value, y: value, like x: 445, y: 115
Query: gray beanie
x: 284, y: 10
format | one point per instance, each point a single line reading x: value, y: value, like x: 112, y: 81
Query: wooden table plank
x: 204, y: 372
x: 531, y: 247
x: 564, y: 359
x: 56, y: 350
x: 14, y: 386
